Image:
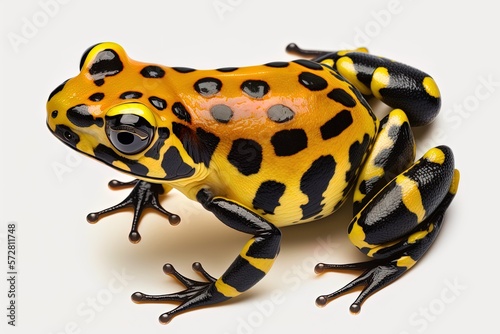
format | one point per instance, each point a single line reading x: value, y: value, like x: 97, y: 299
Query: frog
x: 264, y: 147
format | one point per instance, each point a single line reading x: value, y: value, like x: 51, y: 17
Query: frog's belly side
x: 298, y: 188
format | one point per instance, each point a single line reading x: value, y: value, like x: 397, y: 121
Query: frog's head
x: 110, y: 111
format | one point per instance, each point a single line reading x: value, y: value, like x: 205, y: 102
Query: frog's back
x: 286, y: 138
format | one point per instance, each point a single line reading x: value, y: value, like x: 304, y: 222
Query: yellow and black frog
x: 264, y: 147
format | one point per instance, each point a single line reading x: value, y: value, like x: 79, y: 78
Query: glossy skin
x: 263, y: 147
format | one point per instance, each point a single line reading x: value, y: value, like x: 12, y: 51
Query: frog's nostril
x: 68, y: 135
x: 54, y: 114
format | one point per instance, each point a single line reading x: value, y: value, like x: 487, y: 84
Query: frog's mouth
x: 71, y: 139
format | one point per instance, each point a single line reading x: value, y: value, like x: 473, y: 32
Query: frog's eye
x: 130, y: 127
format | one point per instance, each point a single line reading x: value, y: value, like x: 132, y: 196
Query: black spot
x: 154, y: 151
x: 314, y: 182
x: 158, y: 102
x: 54, y: 113
x: 106, y: 63
x: 277, y: 64
x: 80, y: 116
x: 363, y: 101
x: 96, y: 97
x: 268, y: 195
x: 255, y: 88
x: 280, y: 113
x: 336, y: 125
x: 289, y: 142
x: 208, y: 87
x: 221, y: 113
x: 130, y: 95
x: 153, y: 72
x: 308, y: 64
x: 199, y: 145
x: 174, y: 166
x: 246, y: 156
x: 227, y: 69
x: 57, y: 90
x: 183, y: 69
x: 312, y: 81
x: 341, y: 96
x: 107, y: 155
x: 180, y: 111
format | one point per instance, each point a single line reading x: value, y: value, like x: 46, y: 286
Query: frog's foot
x: 376, y: 276
x: 144, y: 195
x: 195, y: 295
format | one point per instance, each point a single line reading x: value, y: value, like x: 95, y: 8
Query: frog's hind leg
x: 399, y: 223
x: 398, y: 85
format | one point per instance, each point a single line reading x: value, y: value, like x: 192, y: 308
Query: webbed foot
x: 196, y: 294
x: 376, y: 276
x: 144, y: 195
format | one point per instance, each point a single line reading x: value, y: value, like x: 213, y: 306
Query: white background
x: 77, y: 278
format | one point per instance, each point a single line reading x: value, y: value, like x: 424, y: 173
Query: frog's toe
x: 143, y: 195
x: 376, y: 276
x: 196, y: 294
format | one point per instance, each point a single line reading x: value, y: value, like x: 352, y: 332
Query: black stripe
x: 154, y: 151
x: 174, y: 166
x: 433, y: 179
x: 268, y: 195
x: 109, y: 156
x: 341, y: 96
x: 385, y: 218
x: 314, y: 182
x: 242, y: 275
x: 199, y: 144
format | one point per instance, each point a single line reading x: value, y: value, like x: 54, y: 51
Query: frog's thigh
x: 393, y: 152
x: 400, y: 210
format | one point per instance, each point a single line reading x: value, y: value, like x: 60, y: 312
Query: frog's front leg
x: 399, y: 223
x: 251, y: 265
x: 143, y: 195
